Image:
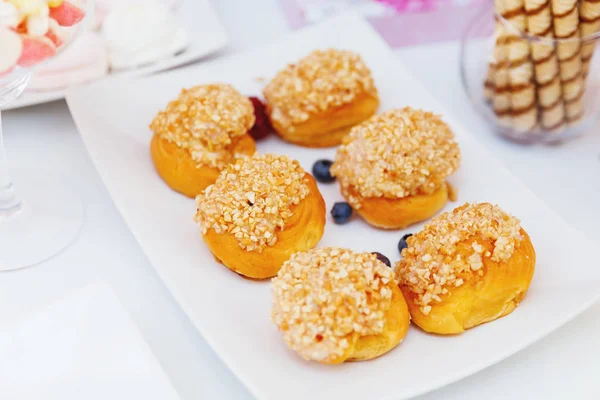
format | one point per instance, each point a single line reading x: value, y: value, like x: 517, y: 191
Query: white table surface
x: 567, y: 177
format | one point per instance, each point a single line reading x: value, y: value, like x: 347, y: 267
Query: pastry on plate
x: 466, y: 267
x: 198, y: 134
x: 259, y: 212
x: 316, y: 101
x: 393, y: 167
x: 334, y: 305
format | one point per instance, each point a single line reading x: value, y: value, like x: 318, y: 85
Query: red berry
x: 262, y: 125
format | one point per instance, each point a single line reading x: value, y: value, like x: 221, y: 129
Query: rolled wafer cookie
x: 523, y: 104
x: 501, y: 98
x: 547, y: 75
x: 589, y: 24
x: 565, y: 15
x: 552, y: 108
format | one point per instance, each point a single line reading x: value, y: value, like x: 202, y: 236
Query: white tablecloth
x: 567, y: 177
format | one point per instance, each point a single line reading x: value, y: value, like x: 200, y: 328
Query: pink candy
x: 35, y: 50
x: 67, y: 14
x: 21, y: 49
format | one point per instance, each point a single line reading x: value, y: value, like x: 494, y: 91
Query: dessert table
x: 565, y: 176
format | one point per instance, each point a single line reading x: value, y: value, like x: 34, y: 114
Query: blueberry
x: 341, y: 212
x: 402, y: 243
x: 321, y: 171
x: 383, y: 258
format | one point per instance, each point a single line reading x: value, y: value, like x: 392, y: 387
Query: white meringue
x: 137, y: 34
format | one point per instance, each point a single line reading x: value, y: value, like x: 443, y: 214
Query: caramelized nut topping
x: 205, y: 119
x: 252, y: 199
x: 324, y: 296
x: 395, y: 154
x: 318, y: 82
x: 437, y: 258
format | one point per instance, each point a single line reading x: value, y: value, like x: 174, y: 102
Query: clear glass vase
x: 40, y: 215
x: 531, y: 73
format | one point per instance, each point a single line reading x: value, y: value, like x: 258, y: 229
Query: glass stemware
x: 40, y: 215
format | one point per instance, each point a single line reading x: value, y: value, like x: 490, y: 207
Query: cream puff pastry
x: 316, y: 101
x: 393, y: 167
x: 466, y: 267
x: 334, y: 305
x: 198, y: 134
x: 259, y: 212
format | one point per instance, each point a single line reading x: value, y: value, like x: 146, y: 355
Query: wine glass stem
x: 9, y: 202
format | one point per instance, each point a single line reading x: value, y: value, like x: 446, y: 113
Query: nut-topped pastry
x: 198, y: 134
x: 466, y: 267
x: 393, y: 167
x: 316, y: 101
x: 260, y: 211
x: 334, y: 305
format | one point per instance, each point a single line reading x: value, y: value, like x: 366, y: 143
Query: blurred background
x: 425, y: 36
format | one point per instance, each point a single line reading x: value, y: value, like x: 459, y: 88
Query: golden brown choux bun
x: 199, y: 133
x: 334, y: 305
x: 316, y: 101
x: 393, y: 167
x: 177, y: 167
x: 386, y: 213
x: 466, y: 267
x: 259, y: 212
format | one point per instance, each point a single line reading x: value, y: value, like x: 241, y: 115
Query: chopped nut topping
x: 204, y: 119
x: 398, y: 153
x: 438, y: 256
x: 252, y: 199
x: 322, y: 296
x: 318, y: 82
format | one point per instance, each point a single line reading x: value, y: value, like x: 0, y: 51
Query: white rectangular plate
x: 82, y: 347
x: 233, y: 313
x: 206, y: 35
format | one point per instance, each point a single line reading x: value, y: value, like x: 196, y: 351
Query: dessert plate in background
x: 205, y: 33
x: 232, y: 313
x: 82, y: 347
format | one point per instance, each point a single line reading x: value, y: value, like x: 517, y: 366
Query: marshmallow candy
x: 11, y: 47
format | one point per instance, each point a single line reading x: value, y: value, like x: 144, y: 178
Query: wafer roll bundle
x: 539, y: 84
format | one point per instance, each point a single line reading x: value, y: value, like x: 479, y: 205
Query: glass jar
x: 531, y: 73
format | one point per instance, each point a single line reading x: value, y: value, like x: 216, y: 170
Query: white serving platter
x: 232, y: 313
x: 206, y: 35
x: 85, y: 346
